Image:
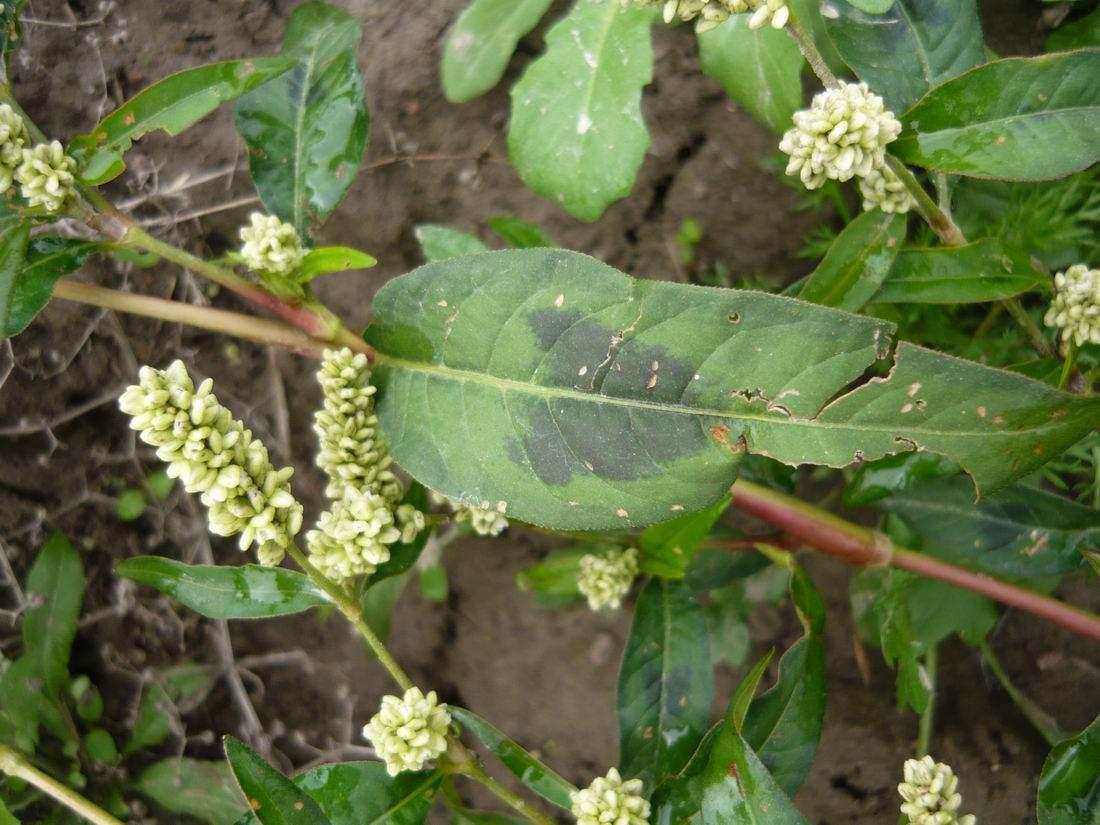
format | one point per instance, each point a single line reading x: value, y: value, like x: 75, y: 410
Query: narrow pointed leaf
x: 55, y: 588
x: 362, y: 793
x: 173, y: 104
x: 1069, y: 787
x: 529, y: 770
x: 857, y: 263
x: 1000, y: 120
x: 272, y: 798
x: 218, y: 592
x: 481, y: 43
x: 570, y: 395
x: 198, y: 789
x: 666, y: 686
x: 903, y: 51
x: 326, y: 259
x: 760, y: 69
x: 981, y: 271
x: 306, y: 132
x: 441, y: 242
x: 577, y: 134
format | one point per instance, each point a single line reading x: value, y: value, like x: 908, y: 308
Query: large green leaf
x: 220, y: 592
x: 1019, y: 531
x: 568, y: 394
x: 857, y: 263
x: 529, y: 770
x: 362, y: 793
x: 668, y: 548
x: 577, y: 134
x: 1033, y: 118
x: 760, y: 69
x: 985, y: 270
x: 441, y: 242
x: 1069, y: 787
x: 196, y: 788
x: 173, y: 105
x: 14, y: 237
x: 272, y: 798
x: 481, y: 43
x: 307, y: 131
x: 913, y: 46
x: 666, y: 686
x: 55, y: 588
x: 47, y: 259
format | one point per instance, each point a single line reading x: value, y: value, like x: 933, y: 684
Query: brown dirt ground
x: 546, y: 678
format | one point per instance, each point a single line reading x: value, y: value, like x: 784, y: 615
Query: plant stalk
x: 217, y: 320
x: 861, y: 546
x: 512, y: 800
x: 928, y: 717
x: 13, y: 764
x: 1039, y: 719
x: 810, y: 51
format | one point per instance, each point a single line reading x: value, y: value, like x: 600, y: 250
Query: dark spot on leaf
x: 549, y: 324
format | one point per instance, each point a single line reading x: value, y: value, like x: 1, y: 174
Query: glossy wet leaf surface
x: 362, y: 793
x: 272, y: 798
x: 985, y: 270
x: 529, y: 770
x: 576, y: 135
x: 903, y: 51
x: 760, y: 69
x: 481, y: 42
x: 857, y: 263
x: 1004, y: 119
x: 666, y: 685
x: 14, y: 237
x: 248, y: 591
x: 196, y: 788
x: 47, y: 260
x: 1069, y: 788
x: 173, y: 104
x: 569, y: 395
x: 1019, y: 531
x: 307, y: 131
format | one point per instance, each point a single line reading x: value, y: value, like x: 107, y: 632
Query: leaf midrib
x: 590, y: 91
x: 543, y: 391
x: 310, y: 65
x: 406, y: 800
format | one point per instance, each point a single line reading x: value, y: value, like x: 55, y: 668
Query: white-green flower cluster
x: 610, y: 801
x: 13, y: 137
x: 1075, y: 310
x: 605, y: 580
x: 271, y: 246
x: 483, y: 519
x: 710, y: 14
x: 930, y: 794
x: 409, y: 731
x: 46, y: 175
x: 842, y: 135
x: 214, y: 455
x: 366, y: 517
x: 884, y: 190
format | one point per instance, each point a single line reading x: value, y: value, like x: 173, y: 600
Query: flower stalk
x: 13, y: 764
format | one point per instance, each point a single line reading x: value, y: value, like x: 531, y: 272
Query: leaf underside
x: 565, y: 393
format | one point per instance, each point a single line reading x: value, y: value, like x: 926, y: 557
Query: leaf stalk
x: 13, y: 764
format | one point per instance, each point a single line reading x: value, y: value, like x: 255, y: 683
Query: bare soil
x: 548, y: 678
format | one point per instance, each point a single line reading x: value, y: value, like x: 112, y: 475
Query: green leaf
x: 307, y: 132
x: 760, y: 69
x: 1079, y: 34
x: 1000, y: 120
x: 464, y: 816
x: 576, y: 133
x: 668, y: 548
x: 985, y: 270
x: 905, y: 48
x: 894, y: 474
x: 46, y: 260
x: 201, y: 790
x: 158, y: 711
x: 131, y: 505
x: 481, y: 43
x: 14, y: 237
x: 1069, y: 787
x: 217, y: 592
x: 433, y: 583
x: 6, y: 816
x: 529, y: 770
x: 550, y: 382
x: 55, y: 588
x: 1018, y: 532
x: 742, y: 697
x: 441, y: 242
x: 173, y: 104
x: 100, y: 747
x: 554, y: 579
x: 519, y: 234
x: 10, y: 31
x: 272, y: 798
x: 362, y: 793
x: 857, y: 263
x: 333, y: 259
x: 938, y: 610
x: 871, y: 6
x: 666, y: 686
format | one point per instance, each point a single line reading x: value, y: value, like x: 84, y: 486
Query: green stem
x: 13, y: 764
x: 810, y: 51
x: 1039, y: 719
x: 512, y: 800
x: 1067, y: 366
x: 354, y: 614
x: 927, y: 718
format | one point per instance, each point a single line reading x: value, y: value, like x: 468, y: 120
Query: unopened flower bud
x: 46, y: 175
x: 882, y: 189
x: 409, y: 731
x: 271, y: 246
x: 1075, y: 310
x: 611, y: 801
x: 930, y: 794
